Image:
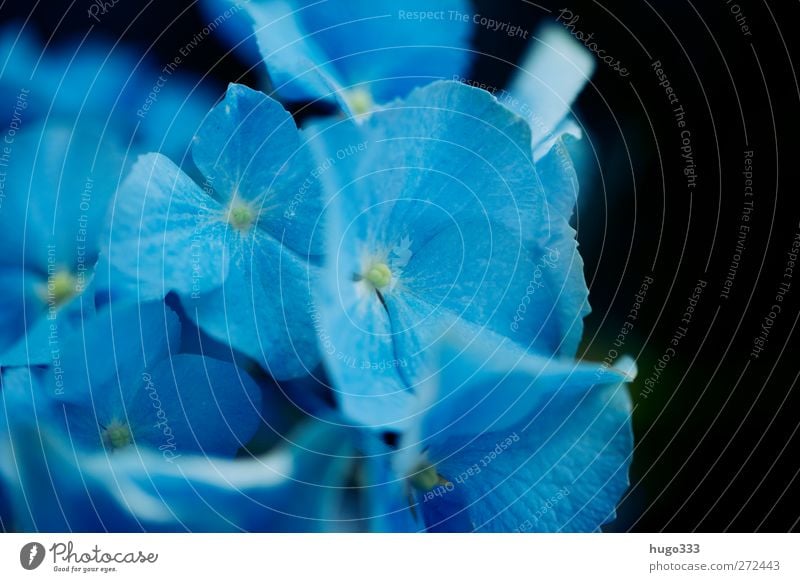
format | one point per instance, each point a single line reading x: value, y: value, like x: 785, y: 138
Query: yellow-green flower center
x: 379, y: 275
x: 359, y: 100
x: 117, y: 435
x: 61, y: 286
x: 425, y: 478
x: 241, y: 215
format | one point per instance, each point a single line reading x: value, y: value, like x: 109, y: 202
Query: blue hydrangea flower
x: 119, y: 381
x: 359, y: 54
x: 440, y: 223
x: 507, y: 441
x: 240, y: 249
x: 56, y: 188
x: 52, y: 485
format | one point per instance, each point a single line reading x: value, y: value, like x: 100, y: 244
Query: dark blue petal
x: 189, y: 403
x: 100, y: 364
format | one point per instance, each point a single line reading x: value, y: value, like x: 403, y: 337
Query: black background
x: 717, y: 438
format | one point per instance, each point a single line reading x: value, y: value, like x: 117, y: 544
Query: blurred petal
x: 323, y: 50
x: 190, y: 403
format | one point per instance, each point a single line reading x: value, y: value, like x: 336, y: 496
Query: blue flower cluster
x: 214, y: 319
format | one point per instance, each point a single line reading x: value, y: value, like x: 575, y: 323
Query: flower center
x: 241, y: 215
x: 425, y: 478
x: 117, y: 435
x: 379, y: 275
x: 359, y: 100
x: 60, y: 287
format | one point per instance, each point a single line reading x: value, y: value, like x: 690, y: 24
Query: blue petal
x: 446, y: 154
x: 250, y: 149
x: 264, y: 308
x: 389, y: 503
x: 46, y: 322
x: 21, y: 306
x: 315, y: 50
x: 298, y: 487
x: 564, y: 471
x: 495, y: 280
x: 190, y: 403
x: 100, y: 364
x: 490, y: 385
x: 166, y: 233
x: 174, y: 118
x: 473, y: 415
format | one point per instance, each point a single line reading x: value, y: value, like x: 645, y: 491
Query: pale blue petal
x: 166, y: 233
x: 489, y: 384
x: 447, y: 154
x: 551, y: 75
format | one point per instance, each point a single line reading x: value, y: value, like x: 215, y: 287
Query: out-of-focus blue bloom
x: 75, y: 112
x: 508, y: 441
x: 56, y: 188
x: 55, y: 486
x: 239, y: 250
x: 104, y: 86
x: 440, y: 222
x: 118, y: 381
x: 359, y: 54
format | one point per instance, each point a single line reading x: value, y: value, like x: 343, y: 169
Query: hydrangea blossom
x: 239, y: 250
x: 441, y: 223
x: 55, y: 486
x: 119, y: 382
x: 64, y: 154
x: 57, y: 190
x: 420, y: 246
x: 504, y: 440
